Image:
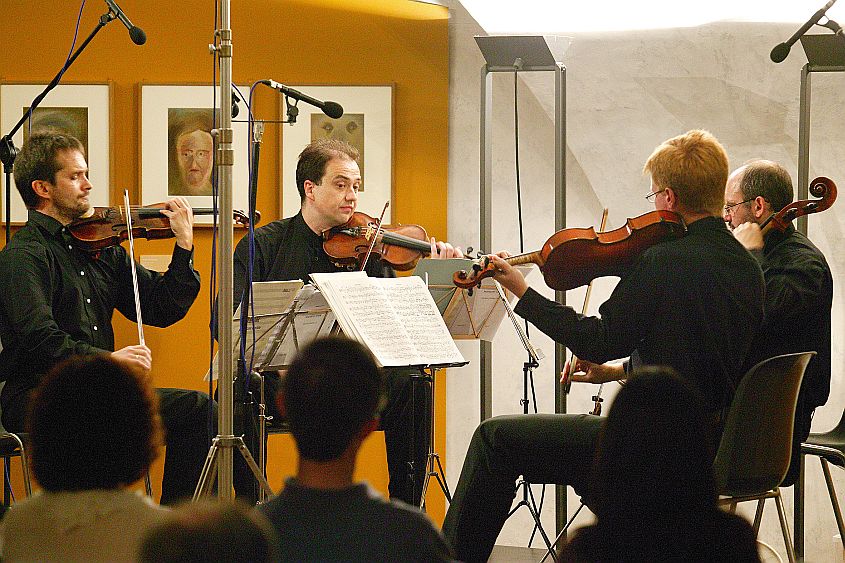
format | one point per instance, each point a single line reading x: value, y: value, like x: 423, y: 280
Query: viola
x: 400, y: 246
x: 821, y: 187
x: 572, y: 257
x: 107, y: 226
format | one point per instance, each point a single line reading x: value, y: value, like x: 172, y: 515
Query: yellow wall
x: 296, y: 42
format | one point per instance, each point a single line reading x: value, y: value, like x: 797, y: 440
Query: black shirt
x: 288, y: 249
x: 693, y: 304
x: 799, y: 297
x: 57, y: 300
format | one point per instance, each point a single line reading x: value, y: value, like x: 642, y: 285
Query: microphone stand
x: 8, y: 151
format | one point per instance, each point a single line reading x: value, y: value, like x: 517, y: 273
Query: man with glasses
x: 676, y: 306
x: 799, y: 286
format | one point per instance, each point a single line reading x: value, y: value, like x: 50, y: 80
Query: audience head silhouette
x: 93, y: 425
x: 655, y: 455
x: 332, y: 391
x: 211, y: 532
x: 653, y: 487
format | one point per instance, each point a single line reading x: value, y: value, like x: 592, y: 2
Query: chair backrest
x: 754, y: 453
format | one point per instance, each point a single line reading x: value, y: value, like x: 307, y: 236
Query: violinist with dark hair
x: 328, y: 179
x: 675, y: 306
x: 57, y: 300
x: 799, y: 286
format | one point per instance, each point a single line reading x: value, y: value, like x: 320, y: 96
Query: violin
x: 574, y: 256
x: 107, y: 226
x: 821, y: 187
x: 400, y: 246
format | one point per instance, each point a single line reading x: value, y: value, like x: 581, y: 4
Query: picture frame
x: 367, y: 123
x: 177, y: 150
x: 82, y: 110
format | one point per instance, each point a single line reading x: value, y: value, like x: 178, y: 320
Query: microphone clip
x: 291, y: 110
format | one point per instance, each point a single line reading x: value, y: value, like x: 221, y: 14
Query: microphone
x: 235, y: 100
x: 136, y: 33
x: 332, y: 109
x: 780, y: 52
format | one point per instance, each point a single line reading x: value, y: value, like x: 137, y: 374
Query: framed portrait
x: 177, y: 149
x: 80, y: 110
x: 367, y: 124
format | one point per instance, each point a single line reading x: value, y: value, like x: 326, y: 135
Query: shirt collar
x: 303, y: 230
x: 45, y: 222
x: 707, y: 224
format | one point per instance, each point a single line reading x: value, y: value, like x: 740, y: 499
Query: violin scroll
x: 821, y: 187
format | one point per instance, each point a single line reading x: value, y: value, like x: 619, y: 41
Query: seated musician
x: 328, y: 179
x: 799, y: 286
x: 676, y: 306
x: 57, y: 300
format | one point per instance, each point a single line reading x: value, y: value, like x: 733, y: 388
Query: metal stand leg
x: 527, y: 494
x: 209, y: 469
x: 833, y: 500
x: 433, y: 467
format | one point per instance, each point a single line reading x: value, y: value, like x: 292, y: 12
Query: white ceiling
x: 543, y: 16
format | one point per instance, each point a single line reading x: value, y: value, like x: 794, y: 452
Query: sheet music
x: 394, y: 318
x: 413, y: 304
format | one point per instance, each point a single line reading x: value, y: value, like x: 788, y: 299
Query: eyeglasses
x: 730, y: 206
x: 653, y: 194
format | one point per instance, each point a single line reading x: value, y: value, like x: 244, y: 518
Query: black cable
x: 537, y: 508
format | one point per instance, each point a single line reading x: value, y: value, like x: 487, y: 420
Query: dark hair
x: 769, y: 180
x: 655, y: 456
x: 313, y: 159
x: 333, y: 387
x: 38, y: 160
x: 211, y: 531
x: 93, y: 424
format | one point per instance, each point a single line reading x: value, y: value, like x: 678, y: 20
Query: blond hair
x: 695, y: 166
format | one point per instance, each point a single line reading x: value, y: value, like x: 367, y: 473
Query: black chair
x: 830, y: 448
x: 754, y: 453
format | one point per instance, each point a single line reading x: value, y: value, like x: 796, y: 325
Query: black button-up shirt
x: 799, y: 297
x: 693, y: 303
x: 57, y: 300
x: 288, y: 249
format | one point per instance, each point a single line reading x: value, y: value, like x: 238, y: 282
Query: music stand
x: 286, y: 315
x: 825, y: 53
x: 513, y: 52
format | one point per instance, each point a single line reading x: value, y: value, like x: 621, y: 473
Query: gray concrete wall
x: 627, y: 92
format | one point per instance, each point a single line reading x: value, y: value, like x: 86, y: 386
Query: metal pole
x: 225, y: 161
x: 560, y: 223
x: 486, y: 222
x: 804, y: 143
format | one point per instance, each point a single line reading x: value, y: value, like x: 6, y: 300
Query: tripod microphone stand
x: 534, y: 357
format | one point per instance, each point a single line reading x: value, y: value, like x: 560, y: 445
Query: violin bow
x: 566, y: 377
x: 375, y: 237
x: 134, y: 271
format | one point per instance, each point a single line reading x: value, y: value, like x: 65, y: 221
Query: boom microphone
x: 332, y: 109
x: 136, y: 33
x: 780, y: 52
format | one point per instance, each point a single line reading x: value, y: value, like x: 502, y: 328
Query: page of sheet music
x: 365, y: 314
x: 478, y: 315
x: 418, y: 313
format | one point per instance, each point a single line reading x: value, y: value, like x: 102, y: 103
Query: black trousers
x: 543, y: 448
x: 405, y: 422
